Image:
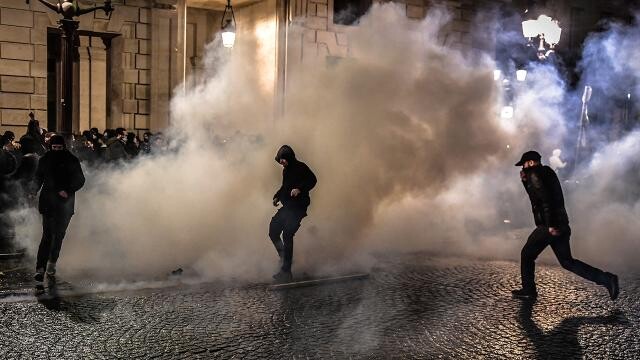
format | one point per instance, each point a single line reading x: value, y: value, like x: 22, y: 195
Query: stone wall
x: 314, y: 36
x: 130, y: 92
x: 23, y: 65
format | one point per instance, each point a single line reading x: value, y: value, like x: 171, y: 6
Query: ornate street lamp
x: 546, y: 30
x: 69, y: 53
x: 228, y: 26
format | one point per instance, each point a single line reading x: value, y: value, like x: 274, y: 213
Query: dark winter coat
x: 116, y: 150
x: 58, y: 171
x: 296, y: 175
x: 545, y: 193
x: 31, y: 144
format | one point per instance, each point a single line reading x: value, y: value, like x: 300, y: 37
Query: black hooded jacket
x: 296, y: 175
x: 545, y: 193
x: 58, y: 171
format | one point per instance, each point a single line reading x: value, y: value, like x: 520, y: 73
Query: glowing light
x: 543, y: 26
x: 530, y: 28
x: 228, y: 39
x: 521, y: 75
x: 496, y: 74
x: 629, y: 96
x: 507, y: 112
x: 549, y: 29
x: 228, y: 26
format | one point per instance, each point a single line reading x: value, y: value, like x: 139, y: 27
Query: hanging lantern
x: 228, y: 26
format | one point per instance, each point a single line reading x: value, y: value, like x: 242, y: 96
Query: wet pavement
x: 411, y: 306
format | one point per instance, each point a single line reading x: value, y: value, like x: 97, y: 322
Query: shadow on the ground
x: 562, y: 341
x: 79, y: 308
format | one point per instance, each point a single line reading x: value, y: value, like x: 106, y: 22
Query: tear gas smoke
x: 404, y: 136
x: 555, y: 161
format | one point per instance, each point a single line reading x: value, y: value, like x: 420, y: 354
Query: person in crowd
x: 158, y: 143
x: 7, y: 141
x: 116, y: 146
x: 131, y: 146
x: 47, y: 136
x: 95, y: 133
x: 58, y: 177
x: 552, y: 229
x: 83, y: 147
x: 297, y: 182
x: 108, y: 135
x: 32, y: 142
x: 145, y: 145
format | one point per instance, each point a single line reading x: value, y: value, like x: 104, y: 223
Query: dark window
x: 347, y: 12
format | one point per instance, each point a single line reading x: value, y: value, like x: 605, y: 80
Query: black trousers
x: 54, y: 227
x: 538, y: 241
x: 286, y: 222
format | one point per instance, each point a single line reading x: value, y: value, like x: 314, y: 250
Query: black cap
x: 529, y: 155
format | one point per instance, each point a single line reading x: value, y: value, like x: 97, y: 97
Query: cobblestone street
x: 410, y: 307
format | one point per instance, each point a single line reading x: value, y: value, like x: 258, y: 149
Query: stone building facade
x: 131, y: 63
x: 127, y: 69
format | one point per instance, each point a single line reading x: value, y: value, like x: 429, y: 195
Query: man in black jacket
x: 552, y: 228
x: 59, y: 175
x: 297, y: 181
x: 116, y: 149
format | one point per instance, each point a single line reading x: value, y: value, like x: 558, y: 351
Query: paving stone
x: 411, y: 307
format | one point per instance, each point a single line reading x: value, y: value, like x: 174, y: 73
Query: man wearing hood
x: 297, y: 181
x: 59, y: 175
x: 552, y: 229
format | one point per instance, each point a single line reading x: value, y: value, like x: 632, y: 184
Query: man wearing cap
x: 552, y: 229
x: 59, y: 175
x: 297, y: 181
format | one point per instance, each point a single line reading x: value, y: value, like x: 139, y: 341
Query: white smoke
x: 404, y: 137
x: 555, y: 161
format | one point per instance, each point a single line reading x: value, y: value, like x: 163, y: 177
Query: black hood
x: 286, y: 152
x: 57, y: 140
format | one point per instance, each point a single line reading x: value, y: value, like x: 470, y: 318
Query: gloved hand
x: 275, y: 202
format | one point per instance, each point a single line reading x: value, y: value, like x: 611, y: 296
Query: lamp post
x: 69, y: 44
x: 228, y: 26
x: 582, y: 145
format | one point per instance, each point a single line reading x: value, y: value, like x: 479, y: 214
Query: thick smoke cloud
x: 404, y: 137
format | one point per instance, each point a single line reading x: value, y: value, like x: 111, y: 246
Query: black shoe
x: 283, y: 276
x: 51, y: 277
x: 613, y: 286
x: 524, y: 294
x: 39, y: 277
